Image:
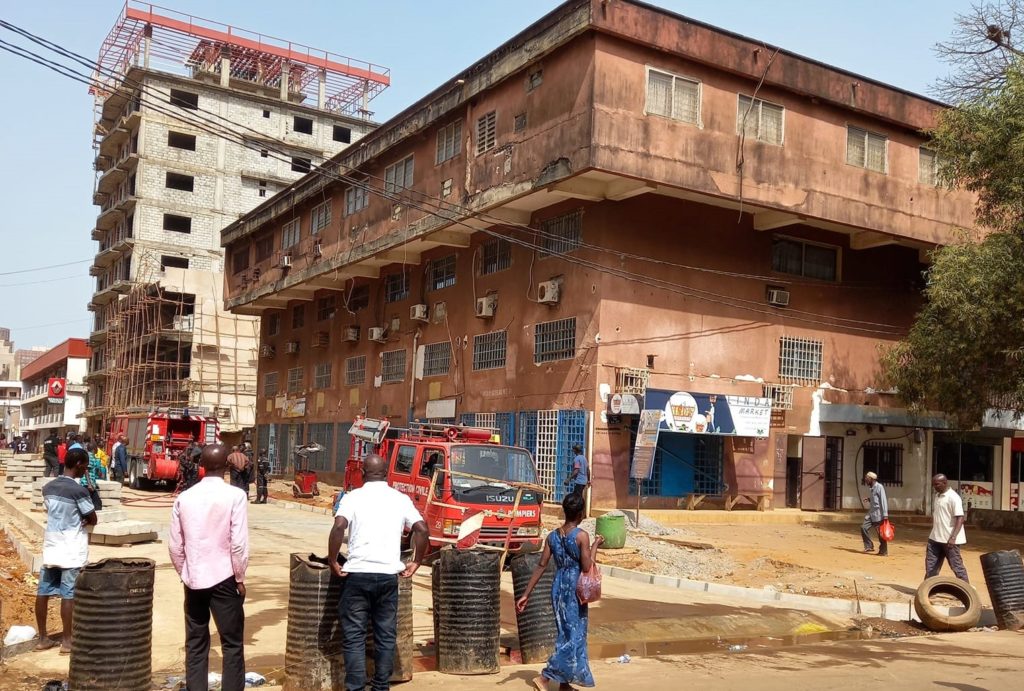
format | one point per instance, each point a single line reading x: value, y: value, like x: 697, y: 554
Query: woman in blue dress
x: 573, y: 552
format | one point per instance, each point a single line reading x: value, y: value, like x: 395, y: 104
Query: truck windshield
x: 501, y: 464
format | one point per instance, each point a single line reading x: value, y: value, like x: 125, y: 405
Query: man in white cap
x: 878, y: 511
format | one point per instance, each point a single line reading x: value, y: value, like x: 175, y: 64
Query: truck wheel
x: 133, y: 475
x: 944, y: 585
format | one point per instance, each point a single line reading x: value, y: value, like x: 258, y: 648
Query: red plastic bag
x: 588, y: 587
x: 886, y: 533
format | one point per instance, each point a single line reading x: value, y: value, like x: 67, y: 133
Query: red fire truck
x: 157, y: 438
x: 453, y: 474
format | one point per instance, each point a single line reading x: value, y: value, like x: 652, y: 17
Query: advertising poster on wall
x: 646, y: 444
x: 56, y: 390
x: 704, y: 413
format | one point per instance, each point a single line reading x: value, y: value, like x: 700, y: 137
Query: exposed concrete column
x: 1001, y: 475
x: 285, y: 69
x: 225, y: 68
x: 147, y: 38
x: 321, y: 95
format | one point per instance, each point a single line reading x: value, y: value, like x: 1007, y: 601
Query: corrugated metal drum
x: 312, y: 654
x: 467, y: 611
x: 112, y: 630
x: 1004, y: 577
x: 536, y: 625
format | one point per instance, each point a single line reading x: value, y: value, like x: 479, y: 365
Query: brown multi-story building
x: 621, y: 209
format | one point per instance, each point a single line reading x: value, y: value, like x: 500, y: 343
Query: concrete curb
x: 893, y: 611
x: 299, y: 506
x: 32, y: 561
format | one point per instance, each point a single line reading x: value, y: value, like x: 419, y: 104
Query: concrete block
x: 131, y: 539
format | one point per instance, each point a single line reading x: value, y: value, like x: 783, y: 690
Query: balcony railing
x: 631, y: 380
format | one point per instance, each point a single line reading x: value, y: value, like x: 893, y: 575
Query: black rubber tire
x: 133, y: 475
x: 947, y: 585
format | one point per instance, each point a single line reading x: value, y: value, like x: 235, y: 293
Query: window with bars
x: 398, y: 176
x: 274, y: 324
x: 359, y: 298
x: 761, y: 120
x: 489, y: 350
x: 448, y: 141
x: 486, y: 132
x: 800, y: 360
x: 396, y: 287
x: 392, y: 366
x: 270, y: 384
x: 321, y: 433
x: 867, y: 149
x: 928, y: 167
x: 290, y: 234
x: 298, y: 316
x: 355, y: 370
x: 296, y: 378
x: 356, y: 199
x: 673, y: 96
x: 496, y: 255
x: 781, y: 395
x: 437, y: 358
x: 806, y: 259
x: 442, y: 272
x: 319, y: 217
x: 554, y: 340
x: 885, y: 459
x: 322, y: 375
x: 325, y: 308
x: 562, y: 234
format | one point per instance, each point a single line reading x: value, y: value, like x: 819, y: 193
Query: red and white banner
x: 469, y: 531
x: 56, y: 390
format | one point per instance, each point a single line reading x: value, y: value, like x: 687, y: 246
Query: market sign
x: 646, y: 445
x: 294, y: 407
x: 704, y: 413
x: 624, y: 404
x: 56, y: 390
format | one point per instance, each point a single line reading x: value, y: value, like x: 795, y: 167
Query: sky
x: 46, y: 175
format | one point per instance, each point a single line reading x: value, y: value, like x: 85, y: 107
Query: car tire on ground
x: 932, y: 616
x: 133, y: 474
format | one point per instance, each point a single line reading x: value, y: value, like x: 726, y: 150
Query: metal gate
x: 550, y: 436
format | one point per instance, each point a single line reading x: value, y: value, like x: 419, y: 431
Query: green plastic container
x: 613, y: 529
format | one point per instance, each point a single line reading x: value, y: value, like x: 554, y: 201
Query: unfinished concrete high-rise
x: 196, y: 123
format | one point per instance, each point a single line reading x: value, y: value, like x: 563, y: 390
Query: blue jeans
x: 369, y: 598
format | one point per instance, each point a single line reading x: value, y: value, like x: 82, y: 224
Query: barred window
x: 298, y: 316
x: 486, y: 132
x: 800, y: 360
x: 392, y: 366
x: 319, y: 217
x: 325, y: 308
x: 356, y: 199
x: 359, y: 298
x: 355, y: 370
x: 673, y: 96
x: 437, y: 358
x: 398, y: 176
x: 270, y: 384
x: 806, y: 259
x: 322, y: 376
x: 885, y: 460
x: 489, y: 350
x: 321, y: 433
x: 496, y: 256
x: 442, y: 272
x: 867, y: 149
x: 448, y: 141
x: 274, y: 324
x: 290, y: 234
x: 296, y: 378
x: 562, y: 234
x: 928, y: 167
x: 396, y: 287
x: 761, y: 120
x: 554, y: 340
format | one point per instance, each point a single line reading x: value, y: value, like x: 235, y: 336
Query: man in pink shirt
x: 209, y: 546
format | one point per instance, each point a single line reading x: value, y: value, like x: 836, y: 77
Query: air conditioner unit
x: 485, y: 306
x: 286, y: 261
x: 418, y: 313
x: 318, y: 250
x: 292, y: 347
x: 778, y: 297
x: 267, y: 351
x: 321, y: 339
x: 377, y: 334
x: 548, y: 292
x: 351, y: 334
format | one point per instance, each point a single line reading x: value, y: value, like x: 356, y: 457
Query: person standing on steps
x: 65, y: 544
x: 121, y: 458
x: 878, y: 511
x: 50, y: 445
x: 578, y: 480
x: 375, y: 516
x: 208, y: 542
x: 573, y: 553
x: 947, y: 531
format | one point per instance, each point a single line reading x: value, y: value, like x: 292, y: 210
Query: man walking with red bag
x: 878, y: 511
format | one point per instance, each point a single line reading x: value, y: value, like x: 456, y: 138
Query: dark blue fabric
x: 569, y: 663
x: 373, y: 598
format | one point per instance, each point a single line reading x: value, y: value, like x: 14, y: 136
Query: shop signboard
x: 646, y: 444
x: 56, y: 390
x: 706, y: 413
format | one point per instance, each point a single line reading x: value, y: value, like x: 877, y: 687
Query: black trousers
x: 225, y: 603
x: 52, y: 467
x: 373, y: 598
x: 261, y: 491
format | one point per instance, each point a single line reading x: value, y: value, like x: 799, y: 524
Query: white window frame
x: 387, y: 377
x: 758, y: 105
x: 449, y: 142
x: 399, y: 176
x: 356, y: 199
x: 323, y: 374
x: 319, y: 217
x: 295, y: 383
x: 270, y: 384
x: 934, y: 173
x: 699, y: 123
x: 801, y: 346
x: 354, y: 376
x: 867, y: 137
x: 293, y: 230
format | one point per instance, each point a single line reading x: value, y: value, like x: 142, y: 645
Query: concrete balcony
x: 108, y: 294
x: 109, y: 217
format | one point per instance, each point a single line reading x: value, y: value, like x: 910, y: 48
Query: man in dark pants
x: 947, y: 531
x: 50, y: 445
x: 209, y: 546
x: 878, y: 511
x: 262, y: 473
x: 375, y: 515
x: 578, y: 479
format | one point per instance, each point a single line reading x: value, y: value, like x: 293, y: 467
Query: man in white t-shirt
x: 947, y: 531
x: 375, y: 516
